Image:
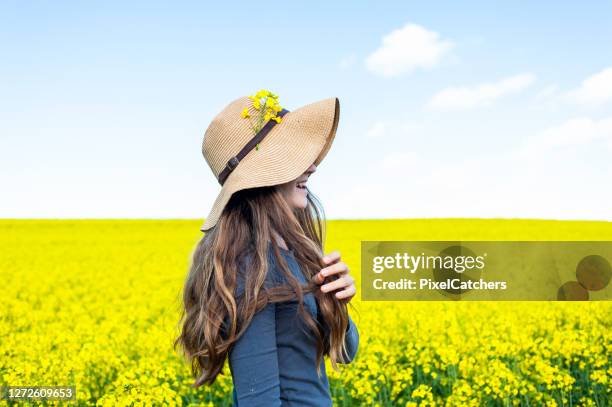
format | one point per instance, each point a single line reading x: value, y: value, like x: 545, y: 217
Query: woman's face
x: 295, y: 191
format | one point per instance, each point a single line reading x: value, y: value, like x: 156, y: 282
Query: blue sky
x: 466, y: 109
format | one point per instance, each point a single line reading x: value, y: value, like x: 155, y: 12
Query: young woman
x: 260, y: 293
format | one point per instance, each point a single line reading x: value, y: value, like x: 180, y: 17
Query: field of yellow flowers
x: 95, y: 304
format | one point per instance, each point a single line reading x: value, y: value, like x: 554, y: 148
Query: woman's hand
x: 344, y: 283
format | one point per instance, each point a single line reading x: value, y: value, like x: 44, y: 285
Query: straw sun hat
x: 278, y: 153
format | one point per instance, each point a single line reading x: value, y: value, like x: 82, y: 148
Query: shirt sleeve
x: 254, y: 361
x: 351, y: 340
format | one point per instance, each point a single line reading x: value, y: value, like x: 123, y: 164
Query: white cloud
x: 377, y: 130
x: 547, y: 93
x: 484, y: 94
x: 394, y: 127
x: 546, y: 99
x: 572, y: 133
x: 500, y: 184
x: 398, y: 160
x: 406, y: 49
x: 594, y: 90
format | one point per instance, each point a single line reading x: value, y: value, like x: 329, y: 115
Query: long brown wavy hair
x: 212, y: 318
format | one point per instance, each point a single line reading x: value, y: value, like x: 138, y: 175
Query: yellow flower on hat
x: 271, y: 102
x: 263, y: 93
x: 267, y: 104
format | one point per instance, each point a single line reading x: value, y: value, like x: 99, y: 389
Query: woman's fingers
x: 342, y: 282
x: 346, y: 293
x: 345, y: 283
x: 339, y: 267
x: 332, y: 257
x: 319, y: 278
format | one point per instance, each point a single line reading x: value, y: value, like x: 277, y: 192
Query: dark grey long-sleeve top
x: 274, y: 362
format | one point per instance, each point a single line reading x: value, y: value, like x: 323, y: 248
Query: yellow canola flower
x: 269, y: 101
x: 114, y: 343
x: 262, y: 94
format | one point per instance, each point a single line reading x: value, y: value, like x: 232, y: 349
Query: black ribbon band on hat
x: 233, y: 162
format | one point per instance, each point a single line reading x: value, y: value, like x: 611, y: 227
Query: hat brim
x: 302, y: 138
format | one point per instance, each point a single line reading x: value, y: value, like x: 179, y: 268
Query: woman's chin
x: 300, y: 202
